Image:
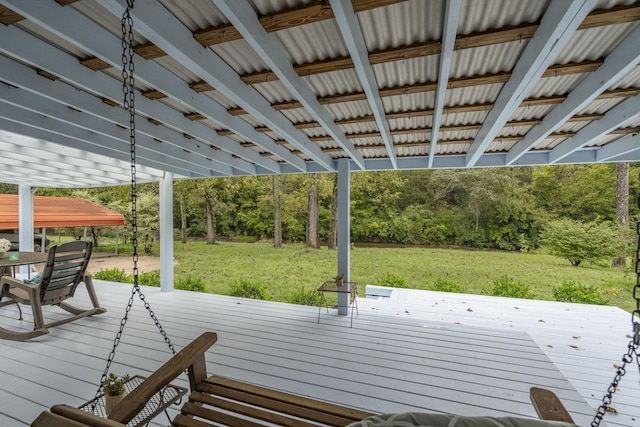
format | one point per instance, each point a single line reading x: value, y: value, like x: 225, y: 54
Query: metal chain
x: 128, y: 90
x: 632, y: 347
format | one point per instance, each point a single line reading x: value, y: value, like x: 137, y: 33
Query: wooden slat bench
x: 215, y: 400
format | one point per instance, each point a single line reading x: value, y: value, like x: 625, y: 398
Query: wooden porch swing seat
x: 64, y: 270
x: 219, y: 401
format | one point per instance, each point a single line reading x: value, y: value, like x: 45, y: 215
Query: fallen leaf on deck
x: 541, y: 321
x: 468, y: 309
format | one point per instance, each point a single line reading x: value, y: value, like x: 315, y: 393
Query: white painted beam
x: 29, y: 101
x: 344, y: 230
x: 352, y: 34
x: 558, y: 25
x: 622, y: 146
x: 450, y: 27
x: 615, y: 118
x: 165, y: 31
x: 99, y: 42
x: 51, y: 144
x: 618, y: 63
x: 166, y: 233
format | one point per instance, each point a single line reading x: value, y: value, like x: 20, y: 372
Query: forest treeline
x: 501, y: 208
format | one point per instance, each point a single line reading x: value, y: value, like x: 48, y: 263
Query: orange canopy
x: 51, y: 212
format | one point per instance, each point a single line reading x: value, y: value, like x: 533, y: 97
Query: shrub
x: 570, y: 291
x: 304, y: 297
x: 249, y: 289
x: 506, y: 287
x: 190, y: 283
x: 113, y: 275
x: 444, y: 285
x: 391, y: 280
x: 581, y: 242
x: 151, y: 278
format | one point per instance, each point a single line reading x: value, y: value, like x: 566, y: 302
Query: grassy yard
x: 286, y: 269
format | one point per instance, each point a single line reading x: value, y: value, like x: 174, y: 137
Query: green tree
x: 581, y: 241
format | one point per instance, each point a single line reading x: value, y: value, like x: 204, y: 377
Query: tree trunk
x: 183, y: 218
x: 277, y: 217
x: 313, y: 217
x: 622, y: 208
x: 211, y: 229
x: 333, y: 225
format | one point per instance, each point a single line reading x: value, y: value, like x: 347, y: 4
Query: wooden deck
x: 425, y: 351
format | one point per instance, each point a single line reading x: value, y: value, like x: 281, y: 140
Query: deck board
x: 397, y: 357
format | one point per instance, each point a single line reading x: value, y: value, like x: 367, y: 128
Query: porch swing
x: 219, y: 401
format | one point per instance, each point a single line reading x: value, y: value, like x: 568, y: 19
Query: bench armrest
x: 191, y: 357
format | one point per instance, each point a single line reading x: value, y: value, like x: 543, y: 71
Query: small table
x: 350, y: 288
x: 24, y: 258
x: 8, y: 264
x: 159, y: 402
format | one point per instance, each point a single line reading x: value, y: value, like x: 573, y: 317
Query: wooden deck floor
x: 406, y: 353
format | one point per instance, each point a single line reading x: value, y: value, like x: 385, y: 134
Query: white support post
x: 166, y: 232
x: 344, y: 230
x: 25, y: 222
x: 117, y: 237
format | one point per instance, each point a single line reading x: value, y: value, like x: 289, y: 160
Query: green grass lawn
x: 284, y: 270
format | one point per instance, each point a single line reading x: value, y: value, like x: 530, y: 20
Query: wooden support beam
x: 8, y: 16
x: 96, y: 64
x: 153, y: 94
x: 316, y: 11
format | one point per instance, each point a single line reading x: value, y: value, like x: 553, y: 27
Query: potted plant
x: 114, y: 390
x: 5, y: 245
x: 339, y: 280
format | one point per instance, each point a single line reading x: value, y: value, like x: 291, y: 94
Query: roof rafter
x: 246, y: 22
x: 59, y: 92
x: 352, y: 35
x: 617, y: 117
x: 94, y: 39
x: 158, y: 25
x: 617, y: 64
x: 622, y: 146
x: 559, y: 23
x: 450, y: 27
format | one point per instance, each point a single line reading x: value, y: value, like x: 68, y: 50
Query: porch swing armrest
x: 190, y: 357
x: 68, y: 416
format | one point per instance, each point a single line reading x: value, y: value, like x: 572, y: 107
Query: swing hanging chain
x: 632, y: 347
x: 128, y: 90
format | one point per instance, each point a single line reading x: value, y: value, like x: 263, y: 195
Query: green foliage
x: 249, y: 289
x: 114, y: 385
x: 304, y: 296
x: 113, y: 275
x: 506, y: 287
x: 190, y: 283
x: 581, y: 242
x: 392, y: 280
x: 444, y: 285
x: 570, y: 291
x: 151, y: 278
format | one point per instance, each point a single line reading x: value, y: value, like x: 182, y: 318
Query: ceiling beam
x: 86, y: 35
x: 462, y: 82
x: 59, y: 93
x: 619, y: 62
x: 118, y: 134
x: 352, y: 35
x: 622, y: 146
x: 96, y: 143
x: 154, y: 22
x: 617, y: 117
x: 559, y: 23
x: 244, y: 19
x: 315, y: 11
x: 450, y: 28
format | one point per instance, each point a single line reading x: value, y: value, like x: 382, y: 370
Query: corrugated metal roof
x: 209, y: 62
x: 52, y: 212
